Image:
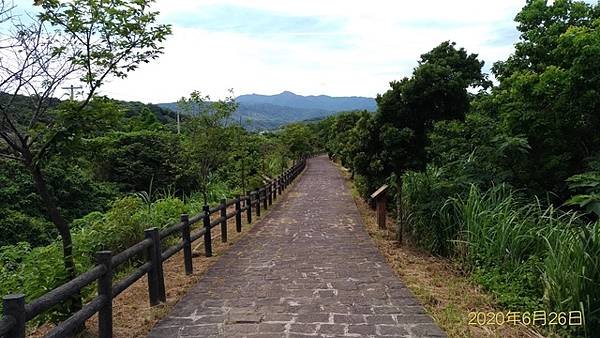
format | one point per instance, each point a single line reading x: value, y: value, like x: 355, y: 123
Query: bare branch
x: 11, y: 157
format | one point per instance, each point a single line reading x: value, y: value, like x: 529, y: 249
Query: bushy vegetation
x: 126, y: 180
x: 32, y: 270
x: 501, y: 177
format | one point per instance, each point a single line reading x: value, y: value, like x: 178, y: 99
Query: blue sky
x: 310, y: 47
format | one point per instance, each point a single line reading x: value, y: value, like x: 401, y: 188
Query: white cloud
x: 377, y: 41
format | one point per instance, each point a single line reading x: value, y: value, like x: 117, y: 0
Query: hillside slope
x: 262, y: 112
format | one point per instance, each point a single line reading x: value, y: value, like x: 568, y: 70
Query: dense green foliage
x: 503, y: 178
x: 139, y: 160
x: 63, y: 41
x: 35, y: 270
x: 127, y: 178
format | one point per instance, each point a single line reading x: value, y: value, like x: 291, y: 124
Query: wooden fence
x: 17, y: 312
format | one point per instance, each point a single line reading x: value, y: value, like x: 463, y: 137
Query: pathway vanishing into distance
x: 308, y: 269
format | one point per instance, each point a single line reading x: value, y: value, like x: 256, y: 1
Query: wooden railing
x: 17, y: 313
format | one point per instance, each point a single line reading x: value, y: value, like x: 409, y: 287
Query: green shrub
x: 527, y: 254
x: 35, y: 271
x: 140, y: 159
x: 519, y: 289
x: 425, y: 194
x: 18, y: 227
x: 362, y: 185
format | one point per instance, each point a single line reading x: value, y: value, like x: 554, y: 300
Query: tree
x: 143, y: 160
x: 395, y: 139
x: 299, y: 140
x: 339, y: 142
x: 436, y: 91
x: 548, y: 92
x: 207, y: 135
x: 541, y: 24
x: 88, y: 40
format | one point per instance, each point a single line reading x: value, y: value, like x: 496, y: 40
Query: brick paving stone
x: 427, y: 330
x: 330, y: 329
x: 278, y: 317
x: 380, y: 319
x: 303, y: 328
x: 362, y: 329
x: 271, y: 327
x: 307, y: 269
x: 393, y: 330
x: 313, y: 318
x: 348, y: 319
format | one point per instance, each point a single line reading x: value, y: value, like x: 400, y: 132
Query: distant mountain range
x: 261, y: 112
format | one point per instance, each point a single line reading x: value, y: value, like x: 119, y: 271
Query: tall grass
x: 531, y: 256
x: 497, y: 240
x: 424, y: 194
x: 495, y: 228
x: 571, y: 272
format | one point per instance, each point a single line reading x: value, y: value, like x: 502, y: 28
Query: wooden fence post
x: 257, y: 193
x: 270, y: 192
x: 284, y: 180
x: 238, y: 214
x: 14, y: 306
x: 279, y: 184
x: 207, y: 235
x: 266, y: 200
x: 187, y: 244
x: 224, y: 220
x: 156, y: 282
x: 249, y: 206
x: 105, y: 315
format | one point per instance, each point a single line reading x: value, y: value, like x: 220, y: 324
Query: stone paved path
x: 308, y: 269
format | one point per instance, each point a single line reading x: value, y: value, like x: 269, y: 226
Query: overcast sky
x: 310, y: 47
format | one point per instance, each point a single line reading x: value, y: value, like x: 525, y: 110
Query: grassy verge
x: 447, y: 293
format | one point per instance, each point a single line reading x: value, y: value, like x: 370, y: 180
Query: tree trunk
x: 243, y: 177
x: 61, y: 226
x: 400, y: 217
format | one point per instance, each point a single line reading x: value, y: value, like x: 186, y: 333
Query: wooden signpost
x: 380, y: 197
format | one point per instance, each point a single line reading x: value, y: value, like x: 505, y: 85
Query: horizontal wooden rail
x: 230, y: 203
x: 126, y: 282
x: 196, y: 218
x: 62, y: 292
x: 215, y: 209
x: 171, y: 251
x: 196, y: 235
x: 17, y: 313
x: 133, y: 251
x: 67, y: 327
x: 216, y: 222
